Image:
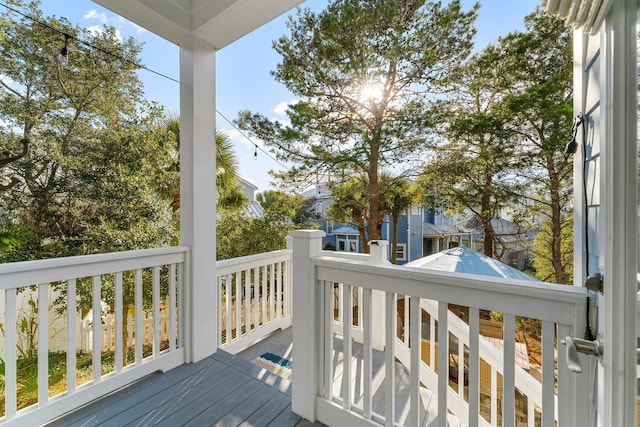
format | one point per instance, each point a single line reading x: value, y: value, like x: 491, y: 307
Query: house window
x: 348, y: 244
x: 329, y: 227
x: 401, y: 252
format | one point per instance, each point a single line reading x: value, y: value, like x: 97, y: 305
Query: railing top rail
x: 284, y: 253
x: 543, y: 300
x: 55, y: 269
x: 346, y: 255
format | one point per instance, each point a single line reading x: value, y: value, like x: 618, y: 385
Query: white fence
x: 560, y: 309
x: 254, y: 298
x: 142, y: 278
x: 109, y: 328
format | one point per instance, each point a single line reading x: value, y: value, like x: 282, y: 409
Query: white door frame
x: 618, y: 228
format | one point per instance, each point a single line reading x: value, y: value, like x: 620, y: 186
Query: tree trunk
x: 374, y: 219
x: 394, y: 238
x: 556, y: 222
x: 486, y: 215
x: 364, y: 248
x: 489, y: 236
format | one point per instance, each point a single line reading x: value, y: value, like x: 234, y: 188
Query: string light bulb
x: 64, y: 52
x: 255, y: 152
x: 572, y: 146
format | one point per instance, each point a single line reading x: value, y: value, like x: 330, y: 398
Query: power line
x: 68, y: 36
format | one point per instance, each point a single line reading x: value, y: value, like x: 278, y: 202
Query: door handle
x: 578, y: 345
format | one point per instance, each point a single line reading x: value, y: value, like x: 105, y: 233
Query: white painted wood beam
x: 198, y: 195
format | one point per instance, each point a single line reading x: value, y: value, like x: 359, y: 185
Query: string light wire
x: 87, y: 44
x: 68, y: 36
x: 256, y: 146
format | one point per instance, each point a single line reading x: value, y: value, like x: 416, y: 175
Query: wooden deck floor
x: 221, y: 390
x: 224, y: 390
x: 279, y: 343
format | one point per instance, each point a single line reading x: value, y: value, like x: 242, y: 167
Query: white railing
x: 346, y: 396
x: 529, y: 389
x: 147, y: 279
x: 254, y: 298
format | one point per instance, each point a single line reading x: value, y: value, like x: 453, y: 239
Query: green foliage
x: 238, y: 235
x: 399, y: 195
x: 473, y: 169
x: 228, y: 190
x: 294, y: 207
x: 97, y: 157
x: 505, y: 130
x: 12, y: 237
x: 364, y: 71
x: 279, y: 202
x: 350, y: 205
x: 543, y: 260
x: 540, y: 107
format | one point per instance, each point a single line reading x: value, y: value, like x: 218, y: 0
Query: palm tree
x: 349, y: 204
x: 398, y: 196
x: 228, y: 190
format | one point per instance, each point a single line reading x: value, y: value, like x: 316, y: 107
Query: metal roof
x: 465, y: 260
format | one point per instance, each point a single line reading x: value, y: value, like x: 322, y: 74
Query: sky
x: 243, y: 80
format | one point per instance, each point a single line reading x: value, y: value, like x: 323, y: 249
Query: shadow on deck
x: 220, y: 390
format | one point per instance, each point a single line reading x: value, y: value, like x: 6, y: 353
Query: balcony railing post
x: 307, y: 337
x: 379, y: 254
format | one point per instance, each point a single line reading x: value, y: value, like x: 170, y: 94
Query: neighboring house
x: 253, y: 208
x: 248, y: 188
x: 423, y: 231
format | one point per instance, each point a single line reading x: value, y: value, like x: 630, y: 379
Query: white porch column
x: 198, y: 196
x: 306, y: 323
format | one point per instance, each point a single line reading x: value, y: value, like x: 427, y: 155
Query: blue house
x: 421, y: 232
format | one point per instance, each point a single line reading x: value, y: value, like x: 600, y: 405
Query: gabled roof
x: 347, y: 229
x: 429, y: 229
x: 253, y: 210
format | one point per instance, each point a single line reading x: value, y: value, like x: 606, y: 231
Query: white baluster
x: 97, y: 330
x: 43, y: 344
x: 474, y: 367
x: 71, y: 335
x: 117, y: 296
x: 389, y: 360
x: 508, y: 381
x: 155, y: 300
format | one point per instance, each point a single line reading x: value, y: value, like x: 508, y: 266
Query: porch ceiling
x: 218, y: 22
x: 585, y: 14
